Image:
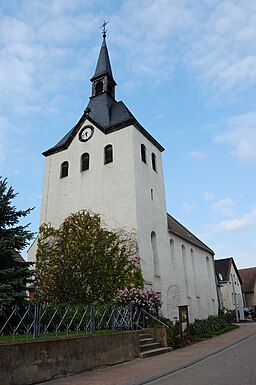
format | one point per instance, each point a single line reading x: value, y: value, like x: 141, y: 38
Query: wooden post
x: 183, y: 318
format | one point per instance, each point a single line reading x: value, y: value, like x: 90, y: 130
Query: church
x: 110, y: 164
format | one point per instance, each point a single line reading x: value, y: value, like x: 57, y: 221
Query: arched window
x: 108, y: 154
x: 143, y: 152
x: 155, y: 254
x: 172, y: 250
x: 64, y: 169
x: 211, y: 279
x: 195, y: 272
x: 186, y: 270
x: 153, y: 158
x: 85, y: 161
x: 99, y: 88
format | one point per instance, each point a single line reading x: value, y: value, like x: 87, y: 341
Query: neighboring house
x: 18, y: 258
x: 230, y: 284
x: 110, y: 164
x: 249, y: 286
x: 30, y: 288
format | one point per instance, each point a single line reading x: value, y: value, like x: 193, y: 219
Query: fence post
x: 131, y: 315
x: 92, y: 318
x: 36, y: 331
x: 143, y: 319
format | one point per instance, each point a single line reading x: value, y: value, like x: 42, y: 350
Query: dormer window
x: 108, y: 154
x: 64, y: 169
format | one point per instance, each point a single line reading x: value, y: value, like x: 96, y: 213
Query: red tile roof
x: 249, y: 279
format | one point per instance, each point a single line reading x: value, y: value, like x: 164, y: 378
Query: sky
x: 187, y: 71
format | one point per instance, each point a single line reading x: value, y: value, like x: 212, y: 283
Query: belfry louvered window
x: 99, y: 88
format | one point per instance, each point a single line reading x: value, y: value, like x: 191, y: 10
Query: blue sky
x: 186, y: 70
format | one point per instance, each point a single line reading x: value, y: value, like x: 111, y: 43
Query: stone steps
x: 150, y: 347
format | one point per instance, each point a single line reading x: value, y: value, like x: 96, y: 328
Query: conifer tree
x: 14, y: 272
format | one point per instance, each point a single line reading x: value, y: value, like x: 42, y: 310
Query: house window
x: 99, y: 88
x: 85, y: 161
x: 153, y: 158
x: 143, y: 153
x: 155, y: 254
x: 108, y: 154
x: 64, y: 169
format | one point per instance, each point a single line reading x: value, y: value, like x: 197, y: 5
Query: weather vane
x: 103, y: 26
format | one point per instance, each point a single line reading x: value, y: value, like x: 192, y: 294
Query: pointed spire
x: 103, y: 66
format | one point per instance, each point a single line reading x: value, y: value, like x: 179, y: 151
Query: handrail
x: 158, y: 320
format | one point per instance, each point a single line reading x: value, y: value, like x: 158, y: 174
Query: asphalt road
x: 235, y: 365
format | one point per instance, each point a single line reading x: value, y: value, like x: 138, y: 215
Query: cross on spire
x: 104, y: 30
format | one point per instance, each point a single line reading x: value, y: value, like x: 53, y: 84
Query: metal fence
x: 36, y: 320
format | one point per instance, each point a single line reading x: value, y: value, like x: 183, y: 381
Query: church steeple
x: 102, y: 80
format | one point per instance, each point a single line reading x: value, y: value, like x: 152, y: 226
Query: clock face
x: 86, y: 133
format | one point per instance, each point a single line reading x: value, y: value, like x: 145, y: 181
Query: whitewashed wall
x: 129, y: 194
x: 106, y: 189
x: 191, y: 280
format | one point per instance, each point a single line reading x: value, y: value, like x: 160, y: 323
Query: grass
x: 51, y: 335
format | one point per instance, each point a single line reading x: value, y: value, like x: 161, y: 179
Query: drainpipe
x: 233, y: 288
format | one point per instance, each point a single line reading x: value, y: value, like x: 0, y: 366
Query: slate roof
x: 103, y: 111
x: 103, y: 66
x: 249, y: 279
x: 223, y: 266
x: 177, y: 228
x: 108, y: 116
x: 107, y: 112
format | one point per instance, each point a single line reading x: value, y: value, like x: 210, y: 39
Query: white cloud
x: 234, y: 225
x: 187, y: 207
x: 150, y: 39
x: 215, y: 39
x: 223, y: 51
x: 240, y: 135
x: 197, y: 154
x: 224, y: 206
x: 208, y: 196
x: 37, y: 53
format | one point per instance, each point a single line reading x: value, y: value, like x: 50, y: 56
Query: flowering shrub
x: 148, y: 299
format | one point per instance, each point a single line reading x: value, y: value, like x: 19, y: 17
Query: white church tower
x: 110, y: 164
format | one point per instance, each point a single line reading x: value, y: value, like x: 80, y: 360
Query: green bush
x: 213, y: 325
